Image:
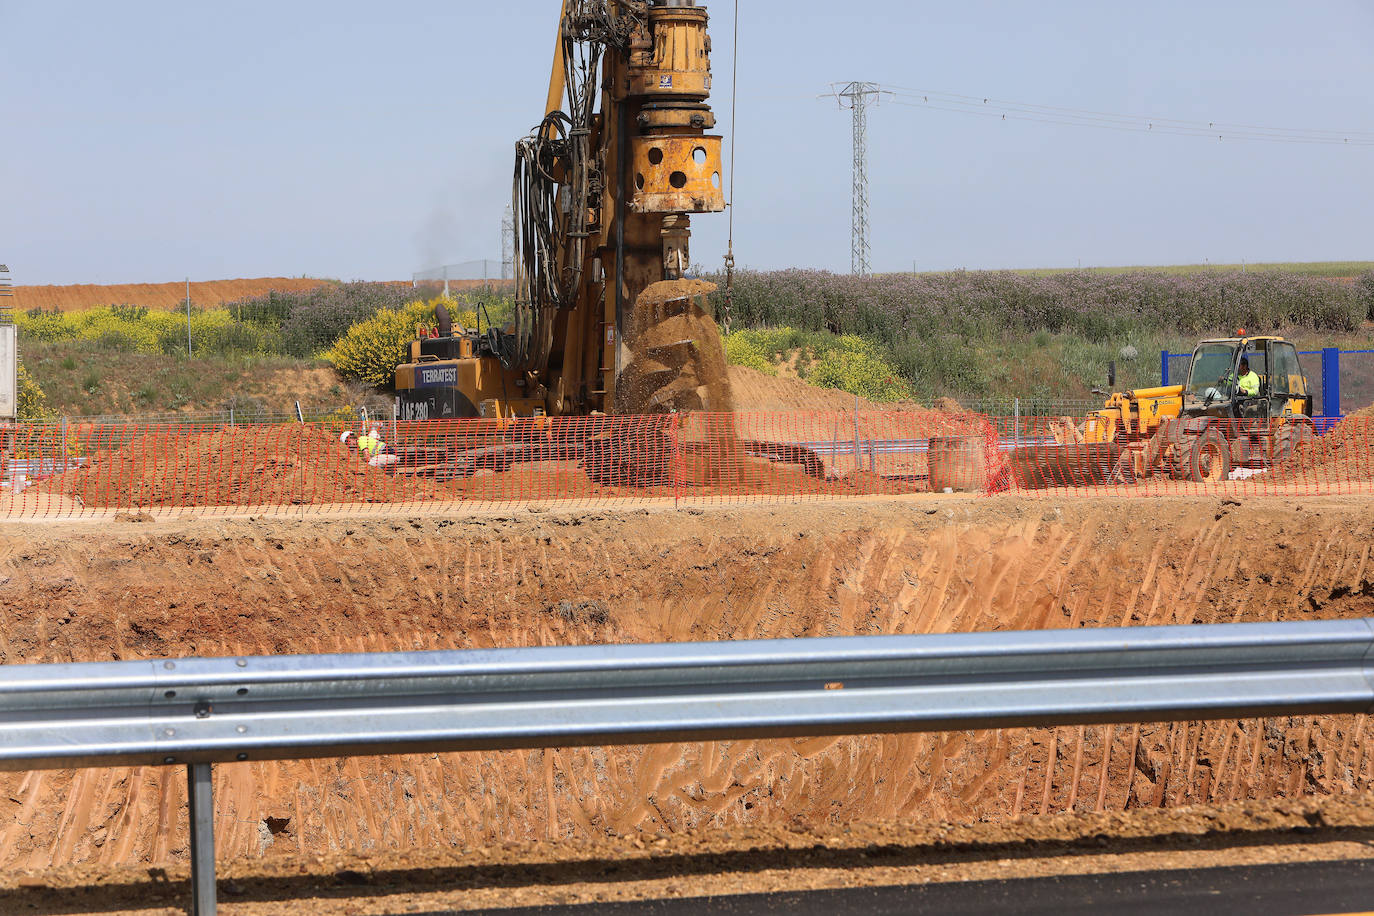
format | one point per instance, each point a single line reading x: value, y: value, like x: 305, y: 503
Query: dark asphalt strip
x: 1299, y: 889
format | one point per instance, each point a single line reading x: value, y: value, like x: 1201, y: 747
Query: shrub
x: 129, y: 312
x: 1365, y: 285
x: 375, y: 346
x: 941, y: 365
x: 37, y: 324
x: 127, y: 328
x: 982, y: 304
x: 33, y: 403
x: 320, y: 319
x: 856, y: 366
x: 742, y: 349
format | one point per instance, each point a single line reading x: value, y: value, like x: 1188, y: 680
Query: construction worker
x: 371, y: 445
x: 1248, y: 383
x: 375, y: 451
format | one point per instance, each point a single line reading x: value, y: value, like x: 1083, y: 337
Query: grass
x: 1040, y: 365
x: 1334, y: 269
x: 80, y: 378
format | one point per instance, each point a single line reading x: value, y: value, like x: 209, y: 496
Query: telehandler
x: 1199, y: 431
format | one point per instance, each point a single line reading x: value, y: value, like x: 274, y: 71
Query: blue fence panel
x: 1175, y: 367
x: 1356, y: 378
x: 1312, y: 366
x: 1331, y: 382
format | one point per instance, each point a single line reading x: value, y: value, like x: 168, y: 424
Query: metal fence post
x: 201, y: 809
x: 858, y: 454
x: 1016, y: 429
x: 1331, y: 382
x: 1163, y: 367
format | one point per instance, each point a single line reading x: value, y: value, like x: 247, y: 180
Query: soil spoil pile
x: 755, y: 391
x: 1345, y: 453
x: 232, y: 466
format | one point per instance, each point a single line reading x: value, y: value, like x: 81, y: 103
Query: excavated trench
x: 127, y: 590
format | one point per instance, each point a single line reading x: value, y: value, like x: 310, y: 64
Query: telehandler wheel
x: 1293, y: 439
x: 1209, y: 461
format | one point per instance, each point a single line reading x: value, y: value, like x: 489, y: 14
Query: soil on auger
x: 677, y: 365
x: 677, y: 356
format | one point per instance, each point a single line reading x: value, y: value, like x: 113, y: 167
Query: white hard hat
x: 344, y: 437
x: 374, y: 434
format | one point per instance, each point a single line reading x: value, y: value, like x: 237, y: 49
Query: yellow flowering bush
x: 137, y: 329
x: 33, y: 403
x: 374, y: 347
x: 857, y: 366
x: 743, y: 349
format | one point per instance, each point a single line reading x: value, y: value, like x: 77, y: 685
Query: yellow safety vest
x: 369, y: 445
x: 1249, y: 384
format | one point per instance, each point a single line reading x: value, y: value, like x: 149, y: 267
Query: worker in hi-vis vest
x: 371, y: 444
x: 1248, y: 382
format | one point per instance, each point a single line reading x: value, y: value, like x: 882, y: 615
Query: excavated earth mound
x: 147, y: 589
x: 232, y: 466
x: 1345, y: 453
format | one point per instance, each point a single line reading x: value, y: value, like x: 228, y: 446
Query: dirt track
x: 86, y: 591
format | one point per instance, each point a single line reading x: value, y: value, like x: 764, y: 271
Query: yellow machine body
x: 649, y: 164
x: 1199, y: 430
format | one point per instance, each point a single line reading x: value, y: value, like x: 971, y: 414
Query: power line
x: 1007, y: 110
x: 900, y: 90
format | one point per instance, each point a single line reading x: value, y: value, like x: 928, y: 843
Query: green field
x: 1334, y: 269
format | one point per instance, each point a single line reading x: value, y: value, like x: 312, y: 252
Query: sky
x: 151, y: 141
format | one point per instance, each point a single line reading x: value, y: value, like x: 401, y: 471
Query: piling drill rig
x: 605, y: 321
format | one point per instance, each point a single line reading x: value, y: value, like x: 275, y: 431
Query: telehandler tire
x: 1209, y: 460
x: 1293, y: 439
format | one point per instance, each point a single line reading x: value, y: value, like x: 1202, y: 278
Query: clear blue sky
x: 148, y: 141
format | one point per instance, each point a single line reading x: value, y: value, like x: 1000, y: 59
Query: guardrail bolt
x: 203, y: 710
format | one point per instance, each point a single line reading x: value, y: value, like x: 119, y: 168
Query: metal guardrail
x: 197, y: 712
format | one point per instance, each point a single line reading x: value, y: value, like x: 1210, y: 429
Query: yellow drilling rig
x: 605, y: 321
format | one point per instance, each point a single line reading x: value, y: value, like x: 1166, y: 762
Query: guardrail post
x: 1163, y: 367
x: 202, y: 818
x: 1331, y: 382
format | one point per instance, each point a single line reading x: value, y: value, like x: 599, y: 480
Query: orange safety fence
x: 71, y: 470
x: 1247, y: 457
x: 92, y: 469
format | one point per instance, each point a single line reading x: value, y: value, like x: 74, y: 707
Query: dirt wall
x: 153, y: 295
x: 218, y: 587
